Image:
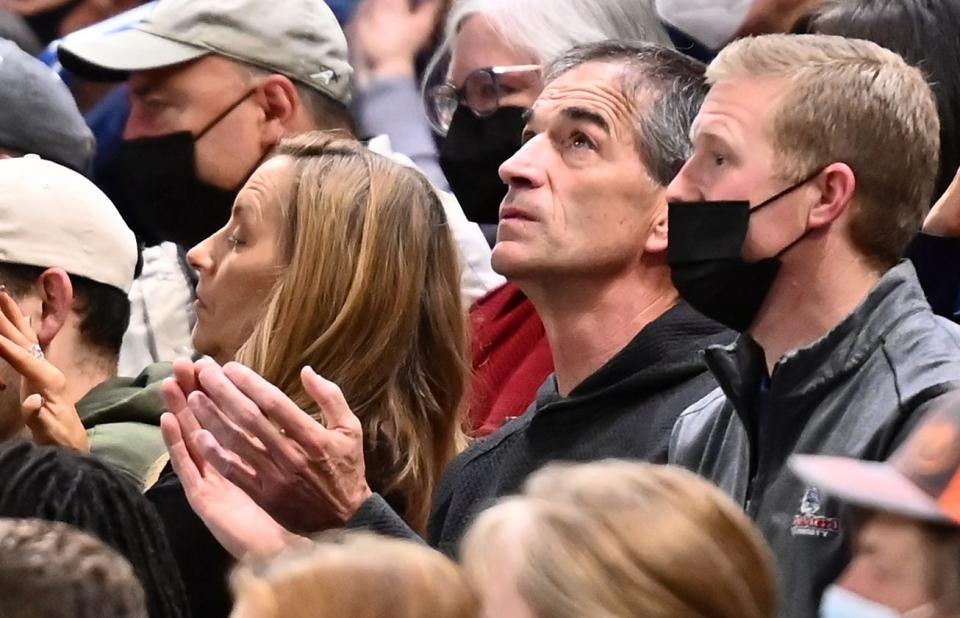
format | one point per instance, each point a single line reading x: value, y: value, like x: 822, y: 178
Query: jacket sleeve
x: 376, y: 516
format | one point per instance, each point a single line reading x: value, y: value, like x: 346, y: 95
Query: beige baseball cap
x: 297, y: 38
x: 51, y: 216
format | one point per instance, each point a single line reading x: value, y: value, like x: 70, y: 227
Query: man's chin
x: 510, y: 260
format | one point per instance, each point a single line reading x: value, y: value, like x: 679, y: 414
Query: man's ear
x: 281, y: 104
x: 56, y: 296
x: 837, y: 184
x: 656, y: 241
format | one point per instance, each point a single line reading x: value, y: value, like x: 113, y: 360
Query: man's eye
x: 580, y: 141
x: 719, y: 159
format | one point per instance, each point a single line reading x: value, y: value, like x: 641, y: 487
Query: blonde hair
x: 370, y: 298
x: 617, y: 538
x: 357, y: 575
x: 854, y: 102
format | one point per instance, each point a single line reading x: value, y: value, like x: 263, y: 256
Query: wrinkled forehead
x: 596, y: 87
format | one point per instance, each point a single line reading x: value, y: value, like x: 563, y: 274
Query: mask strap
x: 781, y: 194
x: 786, y: 191
x: 223, y: 114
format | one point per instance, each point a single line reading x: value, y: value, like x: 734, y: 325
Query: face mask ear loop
x: 786, y: 191
x: 223, y: 114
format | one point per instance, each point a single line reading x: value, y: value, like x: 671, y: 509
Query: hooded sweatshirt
x: 122, y: 418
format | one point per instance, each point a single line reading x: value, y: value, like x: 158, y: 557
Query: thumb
x: 333, y: 406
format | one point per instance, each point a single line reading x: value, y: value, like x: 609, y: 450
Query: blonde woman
x: 341, y: 261
x: 617, y: 539
x: 357, y: 575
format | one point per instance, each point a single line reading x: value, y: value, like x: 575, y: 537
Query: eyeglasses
x: 481, y: 92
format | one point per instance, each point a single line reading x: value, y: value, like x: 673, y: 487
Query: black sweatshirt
x: 625, y: 410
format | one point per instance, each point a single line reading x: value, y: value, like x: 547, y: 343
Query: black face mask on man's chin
x: 163, y: 198
x: 471, y: 157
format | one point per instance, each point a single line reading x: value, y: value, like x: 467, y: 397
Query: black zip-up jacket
x: 626, y: 409
x: 856, y: 392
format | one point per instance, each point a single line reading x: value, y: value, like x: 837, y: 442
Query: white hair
x: 548, y: 28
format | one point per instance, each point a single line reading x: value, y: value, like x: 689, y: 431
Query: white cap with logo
x: 53, y: 217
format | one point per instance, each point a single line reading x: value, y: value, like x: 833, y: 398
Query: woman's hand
x: 49, y: 414
x: 242, y: 527
x: 944, y: 217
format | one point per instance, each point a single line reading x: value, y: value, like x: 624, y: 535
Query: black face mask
x: 705, y: 245
x: 471, y: 157
x: 162, y: 193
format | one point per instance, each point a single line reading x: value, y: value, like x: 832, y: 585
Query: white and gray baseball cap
x: 297, y: 38
x: 53, y: 217
x: 38, y: 113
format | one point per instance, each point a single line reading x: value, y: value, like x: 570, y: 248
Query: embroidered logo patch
x: 809, y: 521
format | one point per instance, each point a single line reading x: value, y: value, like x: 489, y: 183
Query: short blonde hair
x: 854, y: 102
x: 355, y: 574
x: 619, y: 538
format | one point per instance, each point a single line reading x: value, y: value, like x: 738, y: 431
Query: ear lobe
x: 837, y: 184
x: 656, y: 241
x: 57, y: 302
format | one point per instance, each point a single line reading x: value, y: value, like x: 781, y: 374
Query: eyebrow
x: 581, y: 114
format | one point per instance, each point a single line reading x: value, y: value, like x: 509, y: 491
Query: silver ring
x: 36, y: 351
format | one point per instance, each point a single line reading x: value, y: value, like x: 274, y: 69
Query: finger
x: 222, y: 428
x: 333, y: 405
x: 180, y: 458
x: 228, y: 464
x: 185, y: 374
x: 12, y: 322
x: 35, y: 370
x: 274, y: 403
x: 256, y: 416
x: 176, y: 402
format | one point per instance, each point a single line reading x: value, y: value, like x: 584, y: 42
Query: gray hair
x: 549, y: 27
x: 671, y: 84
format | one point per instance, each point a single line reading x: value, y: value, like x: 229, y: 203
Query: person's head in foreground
x: 340, y: 259
x: 906, y: 553
x: 353, y: 574
x: 214, y: 85
x: 68, y: 260
x: 54, y: 484
x: 825, y: 152
x: 53, y: 570
x: 616, y: 538
x: 493, y: 53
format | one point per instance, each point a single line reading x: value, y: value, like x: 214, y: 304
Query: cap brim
x: 871, y: 484
x: 112, y: 56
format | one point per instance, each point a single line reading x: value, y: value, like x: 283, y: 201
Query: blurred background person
x: 51, y: 483
x: 37, y: 113
x: 906, y: 518
x: 52, y: 570
x: 617, y: 538
x: 353, y: 574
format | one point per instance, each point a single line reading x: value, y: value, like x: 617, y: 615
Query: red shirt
x: 510, y: 355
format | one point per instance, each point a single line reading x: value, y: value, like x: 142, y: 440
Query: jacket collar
x: 667, y: 350
x: 740, y: 367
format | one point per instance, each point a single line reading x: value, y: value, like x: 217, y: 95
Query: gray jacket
x: 856, y: 392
